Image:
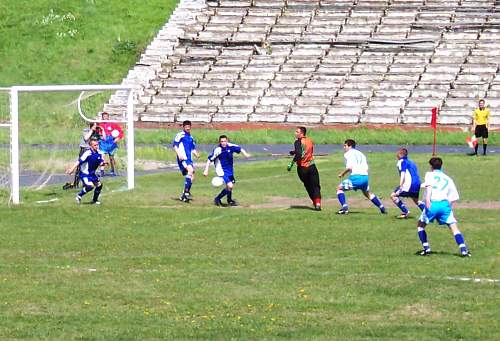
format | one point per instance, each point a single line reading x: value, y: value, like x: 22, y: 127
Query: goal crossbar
x: 14, y: 127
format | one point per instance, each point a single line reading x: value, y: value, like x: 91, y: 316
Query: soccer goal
x: 41, y: 134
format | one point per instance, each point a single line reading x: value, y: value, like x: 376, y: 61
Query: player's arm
x: 245, y: 153
x: 180, y: 155
x: 195, y: 153
x: 428, y: 193
x: 473, y: 129
x: 73, y: 167
x: 402, y: 179
x: 207, y: 165
x: 344, y: 172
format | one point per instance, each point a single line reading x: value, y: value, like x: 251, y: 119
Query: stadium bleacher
x: 321, y: 62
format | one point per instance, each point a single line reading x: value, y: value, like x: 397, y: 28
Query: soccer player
x: 440, y: 193
x: 409, y: 184
x: 185, y: 146
x: 357, y: 166
x: 222, y: 157
x: 111, y: 133
x: 480, y: 125
x: 89, y: 162
x: 303, y: 155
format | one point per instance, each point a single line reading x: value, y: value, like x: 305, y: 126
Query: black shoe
x: 232, y: 203
x: 465, y: 254
x: 217, y: 202
x: 424, y: 252
x: 188, y: 195
x: 67, y: 186
x: 383, y: 210
x: 472, y: 154
x: 184, y: 198
x: 343, y: 211
x: 317, y: 207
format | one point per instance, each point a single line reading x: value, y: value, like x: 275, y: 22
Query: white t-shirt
x: 356, y: 161
x: 443, y: 187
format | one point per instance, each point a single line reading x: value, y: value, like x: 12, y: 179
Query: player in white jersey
x: 357, y: 166
x: 440, y: 193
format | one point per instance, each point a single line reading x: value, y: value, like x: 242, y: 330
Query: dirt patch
x: 285, y: 202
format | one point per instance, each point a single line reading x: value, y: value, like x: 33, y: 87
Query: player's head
x: 105, y: 115
x: 300, y: 132
x: 481, y: 104
x: 92, y: 125
x: 94, y: 144
x: 223, y: 140
x: 349, y: 143
x: 186, y: 126
x: 436, y: 163
x: 402, y: 153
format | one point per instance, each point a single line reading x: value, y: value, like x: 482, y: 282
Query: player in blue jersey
x: 409, y: 184
x: 440, y: 193
x: 185, y: 146
x: 222, y: 157
x: 357, y: 166
x: 89, y: 162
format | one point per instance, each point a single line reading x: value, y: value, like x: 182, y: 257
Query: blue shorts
x: 228, y: 178
x: 183, y: 165
x: 107, y: 147
x: 355, y: 182
x: 89, y: 179
x: 405, y: 194
x: 440, y: 211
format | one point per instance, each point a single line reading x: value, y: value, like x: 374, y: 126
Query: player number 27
x: 438, y: 180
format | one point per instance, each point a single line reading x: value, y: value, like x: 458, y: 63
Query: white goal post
x: 14, y: 127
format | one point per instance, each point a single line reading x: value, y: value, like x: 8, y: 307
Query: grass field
x: 144, y: 266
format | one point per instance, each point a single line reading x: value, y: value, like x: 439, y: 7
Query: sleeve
x: 349, y: 161
x: 214, y: 154
x: 235, y: 148
x: 177, y: 140
x: 297, y: 147
x: 452, y: 192
x: 429, y: 180
x: 399, y: 166
x: 84, y: 156
x: 403, y: 166
x: 193, y: 143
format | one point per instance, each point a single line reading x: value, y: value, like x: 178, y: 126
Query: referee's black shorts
x: 481, y: 131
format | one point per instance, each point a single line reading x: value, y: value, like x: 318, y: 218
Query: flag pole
x: 434, y: 126
x: 434, y: 144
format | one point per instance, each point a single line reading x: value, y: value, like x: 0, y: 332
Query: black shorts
x: 481, y: 131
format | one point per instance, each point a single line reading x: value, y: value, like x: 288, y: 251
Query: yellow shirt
x: 481, y: 116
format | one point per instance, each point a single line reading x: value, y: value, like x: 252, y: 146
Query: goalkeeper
x: 306, y: 168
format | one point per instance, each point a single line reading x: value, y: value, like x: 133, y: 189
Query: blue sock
x: 84, y: 190
x: 187, y: 184
x: 376, y: 202
x: 341, y: 197
x: 460, y: 242
x: 422, y: 235
x: 401, y: 206
x: 222, y: 194
x: 421, y: 205
x: 229, y: 195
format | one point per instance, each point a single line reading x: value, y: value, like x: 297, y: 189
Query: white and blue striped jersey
x: 222, y: 157
x: 412, y: 180
x: 443, y: 187
x: 90, y: 161
x: 356, y: 161
x: 185, y: 144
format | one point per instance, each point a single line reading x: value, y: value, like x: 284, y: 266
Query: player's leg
x: 87, y: 186
x: 485, y: 142
x: 97, y: 191
x: 375, y: 200
x: 112, y: 163
x: 395, y: 197
x: 422, y: 236
x: 315, y: 187
x: 419, y: 203
x: 229, y: 188
x: 459, y: 239
x: 345, y: 185
x: 188, y: 172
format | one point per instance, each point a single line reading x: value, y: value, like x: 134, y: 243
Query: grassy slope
x: 196, y: 271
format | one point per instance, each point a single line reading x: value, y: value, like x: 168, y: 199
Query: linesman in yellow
x: 480, y: 125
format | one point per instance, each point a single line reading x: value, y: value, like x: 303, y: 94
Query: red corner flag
x: 434, y: 126
x: 434, y: 117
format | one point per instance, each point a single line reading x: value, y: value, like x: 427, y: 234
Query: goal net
x: 42, y: 129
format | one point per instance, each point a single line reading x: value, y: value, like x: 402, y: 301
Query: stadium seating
x: 320, y: 62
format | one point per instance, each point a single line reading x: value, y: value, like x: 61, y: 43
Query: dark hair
x: 436, y: 163
x: 222, y: 137
x: 104, y: 113
x: 350, y: 143
x: 186, y: 123
x: 91, y: 124
x: 403, y: 151
x: 303, y: 130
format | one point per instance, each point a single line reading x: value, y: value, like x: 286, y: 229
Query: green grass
x: 143, y: 266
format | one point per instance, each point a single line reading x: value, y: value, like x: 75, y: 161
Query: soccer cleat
x: 472, y: 154
x: 403, y: 216
x: 188, y: 195
x: 112, y: 173
x: 383, y: 210
x: 232, y: 203
x: 101, y: 173
x: 317, y: 207
x: 465, y: 254
x: 184, y: 198
x: 78, y: 199
x: 217, y: 202
x: 425, y: 252
x: 343, y: 211
x: 96, y: 202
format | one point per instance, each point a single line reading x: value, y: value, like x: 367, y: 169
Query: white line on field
x: 473, y: 279
x: 47, y: 201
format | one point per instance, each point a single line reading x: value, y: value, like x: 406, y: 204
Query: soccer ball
x: 115, y: 133
x: 217, y: 181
